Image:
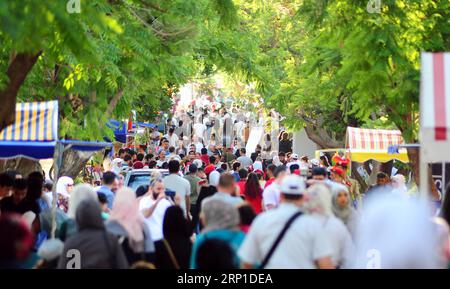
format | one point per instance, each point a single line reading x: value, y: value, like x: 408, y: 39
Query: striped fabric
x: 435, y: 95
x: 372, y: 139
x: 35, y: 121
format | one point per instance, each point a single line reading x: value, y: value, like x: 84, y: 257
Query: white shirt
x: 155, y: 221
x: 199, y: 129
x: 181, y: 186
x: 303, y: 244
x: 271, y: 195
x: 173, y: 140
x: 198, y: 147
x: 344, y: 251
x: 245, y: 161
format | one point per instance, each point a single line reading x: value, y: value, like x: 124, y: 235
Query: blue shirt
x: 233, y: 238
x: 108, y: 194
x: 236, y: 176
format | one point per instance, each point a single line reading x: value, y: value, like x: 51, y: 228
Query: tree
x: 103, y: 61
x: 329, y: 64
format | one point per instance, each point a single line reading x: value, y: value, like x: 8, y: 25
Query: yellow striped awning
x: 35, y: 122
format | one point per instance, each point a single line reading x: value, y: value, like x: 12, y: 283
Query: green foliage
x: 112, y: 57
x: 326, y: 63
x: 334, y: 64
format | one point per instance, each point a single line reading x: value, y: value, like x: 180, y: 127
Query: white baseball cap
x: 294, y: 156
x: 293, y: 185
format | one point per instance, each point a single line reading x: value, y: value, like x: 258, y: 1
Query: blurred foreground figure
x: 92, y: 247
x: 16, y: 241
x: 395, y: 232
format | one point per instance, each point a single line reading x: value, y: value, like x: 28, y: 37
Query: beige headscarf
x: 219, y: 215
x: 319, y: 200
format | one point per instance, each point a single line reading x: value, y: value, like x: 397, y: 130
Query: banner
x: 435, y: 107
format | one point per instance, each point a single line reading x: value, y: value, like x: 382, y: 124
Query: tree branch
x: 159, y: 32
x: 321, y: 137
x: 113, y: 103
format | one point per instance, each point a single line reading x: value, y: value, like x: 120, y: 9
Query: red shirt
x: 269, y: 182
x: 205, y: 159
x: 241, y: 185
x: 209, y: 169
x: 256, y: 203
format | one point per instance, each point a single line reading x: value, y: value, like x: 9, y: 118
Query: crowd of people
x: 218, y: 207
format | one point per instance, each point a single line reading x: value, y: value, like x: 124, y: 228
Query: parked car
x: 136, y: 178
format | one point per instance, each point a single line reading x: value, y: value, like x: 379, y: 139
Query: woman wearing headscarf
x: 97, y: 248
x: 127, y: 223
x: 342, y: 208
x: 116, y: 165
x: 221, y: 221
x: 319, y: 206
x: 80, y: 193
x: 398, y: 184
x: 174, y: 250
x: 63, y: 188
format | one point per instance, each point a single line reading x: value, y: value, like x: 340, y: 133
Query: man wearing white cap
x: 286, y: 238
x: 294, y: 161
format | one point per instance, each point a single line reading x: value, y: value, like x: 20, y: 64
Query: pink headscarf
x: 125, y: 211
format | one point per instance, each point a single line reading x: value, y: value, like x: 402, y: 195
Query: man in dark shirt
x: 15, y: 203
x: 285, y: 144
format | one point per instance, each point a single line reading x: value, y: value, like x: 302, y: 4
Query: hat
x: 293, y: 185
x: 315, y: 162
x: 193, y: 168
x: 294, y: 156
x: 198, y: 163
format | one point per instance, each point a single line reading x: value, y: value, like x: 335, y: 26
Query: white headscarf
x: 116, y: 165
x: 214, y: 177
x: 276, y: 161
x: 398, y: 184
x: 61, y: 186
x: 257, y: 165
x: 80, y: 193
x: 319, y: 200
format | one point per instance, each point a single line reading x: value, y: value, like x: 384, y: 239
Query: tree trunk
x: 414, y: 159
x: 18, y: 70
x: 373, y: 174
x: 363, y: 186
x: 73, y: 162
x: 321, y: 137
x: 413, y: 155
x: 24, y: 166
